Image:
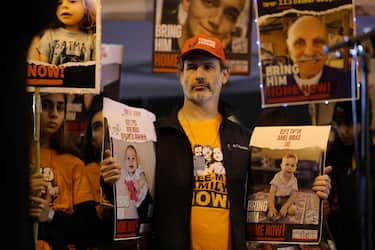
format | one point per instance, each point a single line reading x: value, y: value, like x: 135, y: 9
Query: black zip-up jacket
x: 174, y: 181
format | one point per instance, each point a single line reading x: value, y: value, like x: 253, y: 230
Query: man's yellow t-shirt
x: 210, y: 223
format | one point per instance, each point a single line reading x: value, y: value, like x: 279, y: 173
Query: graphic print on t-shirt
x: 209, y: 173
x: 64, y: 51
x: 49, y: 177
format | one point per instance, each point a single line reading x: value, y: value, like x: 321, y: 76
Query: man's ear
x: 185, y: 5
x: 226, y: 75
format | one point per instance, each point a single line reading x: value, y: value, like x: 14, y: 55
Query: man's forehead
x: 306, y: 26
x: 309, y: 36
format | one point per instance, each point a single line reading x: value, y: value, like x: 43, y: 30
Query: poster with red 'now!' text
x: 65, y: 56
x: 132, y: 138
x: 295, y: 66
x: 282, y: 208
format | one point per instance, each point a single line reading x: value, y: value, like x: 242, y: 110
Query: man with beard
x: 313, y: 79
x: 194, y: 211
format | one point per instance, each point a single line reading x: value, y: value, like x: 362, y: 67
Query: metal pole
x: 37, y: 110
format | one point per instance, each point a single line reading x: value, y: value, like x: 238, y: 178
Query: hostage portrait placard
x: 65, y: 56
x: 132, y: 137
x: 293, y: 36
x: 177, y: 20
x: 281, y: 205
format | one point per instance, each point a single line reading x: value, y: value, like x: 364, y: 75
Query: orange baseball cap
x: 206, y: 43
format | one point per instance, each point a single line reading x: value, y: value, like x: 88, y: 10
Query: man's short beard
x: 198, y: 98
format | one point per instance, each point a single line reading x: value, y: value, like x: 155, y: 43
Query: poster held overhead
x: 294, y: 67
x: 65, y: 57
x: 178, y: 20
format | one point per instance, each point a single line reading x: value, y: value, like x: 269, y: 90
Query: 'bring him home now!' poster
x: 282, y: 208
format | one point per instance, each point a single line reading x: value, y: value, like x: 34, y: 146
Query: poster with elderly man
x: 294, y: 66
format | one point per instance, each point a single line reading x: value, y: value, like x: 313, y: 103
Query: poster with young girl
x: 133, y: 136
x: 64, y: 57
x: 281, y: 205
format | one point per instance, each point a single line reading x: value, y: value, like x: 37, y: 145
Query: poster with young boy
x: 132, y: 135
x: 281, y: 205
x: 294, y: 67
x: 64, y: 57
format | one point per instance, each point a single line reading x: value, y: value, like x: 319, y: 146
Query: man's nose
x: 309, y: 49
x: 200, y: 74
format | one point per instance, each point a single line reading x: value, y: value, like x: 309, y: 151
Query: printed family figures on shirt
x: 208, y: 160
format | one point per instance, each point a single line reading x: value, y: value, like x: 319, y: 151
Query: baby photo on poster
x: 281, y: 205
